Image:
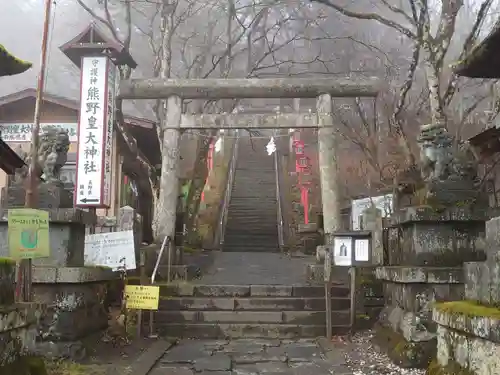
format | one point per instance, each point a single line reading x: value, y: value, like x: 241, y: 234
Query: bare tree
x: 437, y: 42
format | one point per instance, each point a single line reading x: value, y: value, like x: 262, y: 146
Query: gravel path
x: 364, y: 358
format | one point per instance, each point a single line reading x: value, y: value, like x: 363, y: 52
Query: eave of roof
x: 484, y: 60
x: 78, y: 46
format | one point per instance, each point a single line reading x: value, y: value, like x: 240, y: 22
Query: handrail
x: 281, y: 241
x: 167, y: 240
x: 227, y: 195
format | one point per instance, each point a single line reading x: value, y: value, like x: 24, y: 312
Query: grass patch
x: 72, y: 368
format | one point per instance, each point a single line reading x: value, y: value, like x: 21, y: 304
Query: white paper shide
x: 92, y: 176
x: 114, y: 250
x: 342, y: 251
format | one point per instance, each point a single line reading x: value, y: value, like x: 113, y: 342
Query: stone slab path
x: 250, y: 357
x: 246, y: 268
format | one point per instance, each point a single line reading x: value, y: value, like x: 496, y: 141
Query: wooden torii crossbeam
x: 176, y: 90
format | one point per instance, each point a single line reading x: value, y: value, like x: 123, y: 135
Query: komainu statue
x: 51, y: 157
x: 448, y: 168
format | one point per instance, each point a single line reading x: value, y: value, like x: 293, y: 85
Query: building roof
x: 63, y: 76
x: 93, y: 40
x: 484, y: 59
x: 143, y: 130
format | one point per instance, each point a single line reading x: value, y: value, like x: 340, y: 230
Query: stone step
x: 250, y: 249
x: 230, y: 304
x: 339, y: 318
x: 244, y: 330
x: 264, y: 228
x: 297, y: 291
x: 239, y: 242
x: 242, y: 240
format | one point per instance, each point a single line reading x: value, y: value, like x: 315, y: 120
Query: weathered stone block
x: 448, y: 238
x: 271, y: 290
x: 459, y: 343
x: 472, y: 280
x: 493, y: 238
x: 18, y: 331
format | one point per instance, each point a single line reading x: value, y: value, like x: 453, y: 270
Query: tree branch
x: 369, y: 16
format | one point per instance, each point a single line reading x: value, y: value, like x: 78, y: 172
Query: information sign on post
x: 141, y: 297
x: 28, y: 233
x: 93, y: 171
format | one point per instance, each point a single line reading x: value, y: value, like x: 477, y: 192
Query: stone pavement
x: 251, y: 357
x: 247, y: 268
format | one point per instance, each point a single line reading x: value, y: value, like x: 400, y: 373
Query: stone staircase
x: 252, y: 211
x: 249, y: 311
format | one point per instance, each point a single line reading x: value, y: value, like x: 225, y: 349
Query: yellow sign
x: 28, y: 233
x: 141, y: 297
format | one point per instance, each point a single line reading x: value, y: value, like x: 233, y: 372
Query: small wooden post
x: 142, y: 280
x: 352, y: 274
x: 328, y: 292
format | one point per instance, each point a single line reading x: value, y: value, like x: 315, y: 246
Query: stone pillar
x: 328, y: 167
x: 372, y: 221
x: 164, y: 222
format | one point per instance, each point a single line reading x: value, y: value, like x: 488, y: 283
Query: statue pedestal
x: 427, y: 258
x: 49, y: 196
x: 73, y: 294
x: 430, y: 238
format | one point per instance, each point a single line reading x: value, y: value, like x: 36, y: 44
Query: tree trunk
x: 200, y: 175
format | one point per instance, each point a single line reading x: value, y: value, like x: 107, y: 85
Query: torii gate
x: 175, y: 90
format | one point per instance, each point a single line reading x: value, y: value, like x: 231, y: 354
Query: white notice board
x: 342, y: 251
x: 109, y: 250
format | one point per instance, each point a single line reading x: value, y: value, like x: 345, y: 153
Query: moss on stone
x: 403, y: 353
x: 25, y: 366
x: 8, y: 261
x: 468, y: 308
x: 452, y: 368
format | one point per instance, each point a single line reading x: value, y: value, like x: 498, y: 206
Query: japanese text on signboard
x: 92, y: 131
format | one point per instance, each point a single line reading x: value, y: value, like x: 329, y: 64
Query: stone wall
x: 405, y: 329
x: 18, y: 331
x: 18, y: 322
x: 469, y: 330
x: 74, y: 300
x: 468, y: 338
